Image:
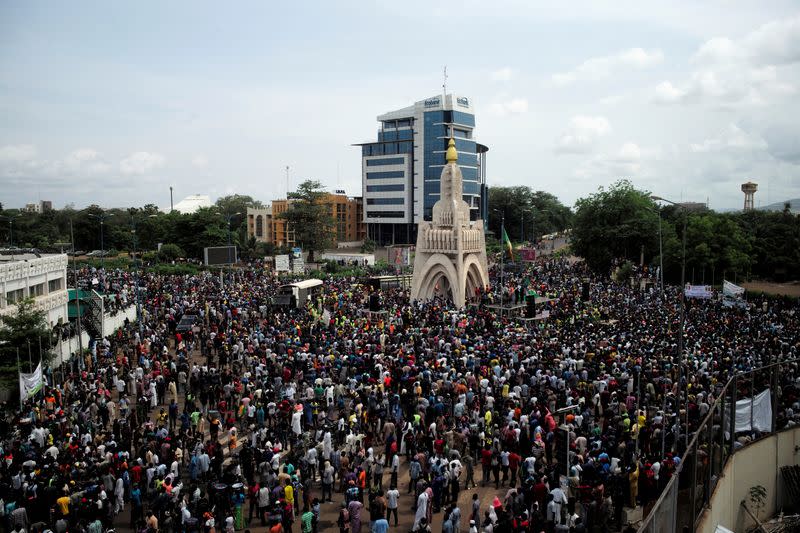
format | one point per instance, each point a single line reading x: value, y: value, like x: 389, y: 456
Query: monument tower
x: 450, y: 257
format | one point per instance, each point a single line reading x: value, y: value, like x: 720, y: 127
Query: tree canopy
x: 529, y: 214
x: 612, y: 223
x: 307, y: 215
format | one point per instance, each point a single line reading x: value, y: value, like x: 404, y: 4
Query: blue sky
x: 112, y: 102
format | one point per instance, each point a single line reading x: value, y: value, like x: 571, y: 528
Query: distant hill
x: 778, y: 206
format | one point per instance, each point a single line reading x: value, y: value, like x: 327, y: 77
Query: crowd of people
x: 331, y: 416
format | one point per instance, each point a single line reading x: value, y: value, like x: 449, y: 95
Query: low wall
x: 756, y: 464
x: 65, y: 349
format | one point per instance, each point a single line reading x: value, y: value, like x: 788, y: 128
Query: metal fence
x: 689, y: 490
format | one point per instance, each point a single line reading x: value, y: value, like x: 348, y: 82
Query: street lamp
x: 681, y: 311
x: 102, y: 217
x: 10, y: 219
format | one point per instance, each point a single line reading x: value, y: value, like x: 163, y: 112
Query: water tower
x: 749, y: 189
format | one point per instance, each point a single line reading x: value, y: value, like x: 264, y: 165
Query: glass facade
x: 399, y: 187
x: 439, y: 126
x: 385, y: 201
x: 390, y: 174
x: 386, y: 161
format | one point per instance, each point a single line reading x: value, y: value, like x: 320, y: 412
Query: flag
x: 507, y: 244
x: 30, y: 384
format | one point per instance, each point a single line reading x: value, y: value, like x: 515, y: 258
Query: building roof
x: 192, y: 203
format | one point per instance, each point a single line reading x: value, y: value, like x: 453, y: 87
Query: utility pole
x: 171, y: 207
x: 77, y: 291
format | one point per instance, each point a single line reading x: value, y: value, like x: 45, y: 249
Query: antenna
x: 287, y: 182
x: 444, y: 84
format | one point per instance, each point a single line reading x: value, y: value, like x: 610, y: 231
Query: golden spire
x: 451, y: 155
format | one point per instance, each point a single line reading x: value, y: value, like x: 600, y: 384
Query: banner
x: 698, y: 291
x: 761, y: 406
x: 30, y: 384
x: 527, y: 254
x: 282, y: 263
x: 729, y: 289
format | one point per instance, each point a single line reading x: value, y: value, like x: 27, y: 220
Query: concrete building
x: 41, y: 206
x: 401, y: 171
x: 259, y: 224
x: 42, y: 278
x: 266, y: 225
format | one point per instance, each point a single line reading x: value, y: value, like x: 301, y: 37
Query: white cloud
x: 776, y: 42
x: 513, y: 106
x: 503, y: 74
x: 141, y: 163
x: 748, y: 71
x: 17, y: 153
x: 733, y: 138
x: 667, y: 93
x: 200, y: 161
x: 599, y: 68
x: 628, y: 161
x: 582, y: 134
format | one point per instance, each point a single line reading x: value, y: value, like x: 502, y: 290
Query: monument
x: 450, y: 257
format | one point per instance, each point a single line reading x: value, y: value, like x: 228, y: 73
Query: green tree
x: 20, y: 331
x: 310, y: 218
x: 170, y: 252
x: 618, y: 222
x: 529, y: 214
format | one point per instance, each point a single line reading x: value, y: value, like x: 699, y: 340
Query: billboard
x: 220, y: 255
x: 282, y: 263
x: 400, y: 256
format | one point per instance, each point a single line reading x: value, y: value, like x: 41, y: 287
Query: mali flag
x: 507, y: 245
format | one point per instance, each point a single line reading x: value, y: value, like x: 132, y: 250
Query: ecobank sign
x: 432, y: 102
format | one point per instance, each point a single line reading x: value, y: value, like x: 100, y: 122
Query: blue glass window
x: 399, y: 187
x: 385, y: 175
x: 385, y: 201
x: 387, y: 161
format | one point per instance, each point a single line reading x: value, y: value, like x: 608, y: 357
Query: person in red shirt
x: 486, y: 465
x: 513, y: 465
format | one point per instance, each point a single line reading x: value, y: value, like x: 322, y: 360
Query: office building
x: 43, y: 278
x: 266, y: 225
x: 401, y: 171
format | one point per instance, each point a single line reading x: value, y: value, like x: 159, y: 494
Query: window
x: 37, y: 290
x: 385, y: 214
x: 15, y: 296
x: 54, y: 285
x: 399, y: 187
x: 387, y: 161
x: 385, y: 201
x: 259, y: 226
x: 385, y: 175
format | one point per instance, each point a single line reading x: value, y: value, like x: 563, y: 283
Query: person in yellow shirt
x: 63, y: 505
x: 288, y: 493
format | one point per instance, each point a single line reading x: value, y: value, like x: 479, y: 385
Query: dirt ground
x: 781, y: 289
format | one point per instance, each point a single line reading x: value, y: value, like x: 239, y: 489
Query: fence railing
x: 689, y: 490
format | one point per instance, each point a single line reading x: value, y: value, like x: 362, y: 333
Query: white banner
x: 761, y: 414
x: 698, y: 291
x: 729, y: 289
x: 30, y: 384
x: 282, y: 263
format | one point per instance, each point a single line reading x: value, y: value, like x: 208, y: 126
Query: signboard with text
x: 698, y: 291
x: 282, y: 263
